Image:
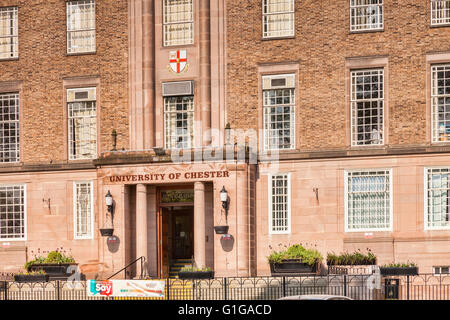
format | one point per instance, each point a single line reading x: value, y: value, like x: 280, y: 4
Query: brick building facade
x: 351, y: 96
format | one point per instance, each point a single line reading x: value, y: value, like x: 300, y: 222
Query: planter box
x: 221, y: 229
x: 351, y: 270
x: 291, y: 267
x: 31, y: 278
x: 107, y: 232
x: 189, y: 275
x: 390, y: 271
x: 54, y: 270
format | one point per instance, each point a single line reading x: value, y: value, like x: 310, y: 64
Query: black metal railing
x: 142, y: 260
x: 358, y: 287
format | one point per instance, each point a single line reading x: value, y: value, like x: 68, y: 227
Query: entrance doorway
x: 176, y: 236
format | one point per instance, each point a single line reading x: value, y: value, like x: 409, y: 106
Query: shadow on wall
x: 227, y: 242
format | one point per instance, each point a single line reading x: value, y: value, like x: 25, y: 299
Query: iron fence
x: 358, y: 287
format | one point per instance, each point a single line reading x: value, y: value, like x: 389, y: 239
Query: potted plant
x: 399, y: 269
x: 33, y: 276
x: 221, y: 229
x: 295, y: 260
x: 55, y: 265
x: 190, y: 273
x: 350, y: 262
x: 107, y: 232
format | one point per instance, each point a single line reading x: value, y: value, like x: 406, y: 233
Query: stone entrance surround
x: 135, y: 189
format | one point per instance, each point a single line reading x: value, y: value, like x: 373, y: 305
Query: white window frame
x: 17, y: 124
x: 353, y: 110
x: 445, y: 21
x: 434, y: 108
x: 265, y: 16
x: 270, y: 200
x: 355, y: 28
x: 440, y: 269
x: 292, y: 78
x: 14, y: 37
x: 190, y: 113
x: 425, y: 202
x: 24, y: 238
x: 70, y: 138
x: 346, y: 199
x: 71, y: 49
x: 168, y: 43
x: 90, y: 236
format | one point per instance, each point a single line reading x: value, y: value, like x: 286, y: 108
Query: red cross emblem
x: 178, y: 61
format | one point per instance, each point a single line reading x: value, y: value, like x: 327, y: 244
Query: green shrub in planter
x: 351, y: 259
x: 310, y: 257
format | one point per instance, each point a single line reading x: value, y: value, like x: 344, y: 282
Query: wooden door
x: 163, y: 239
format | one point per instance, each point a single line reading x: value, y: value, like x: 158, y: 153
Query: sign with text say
x: 126, y: 288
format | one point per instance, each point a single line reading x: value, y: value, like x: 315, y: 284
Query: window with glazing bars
x: 440, y: 12
x: 179, y: 122
x: 367, y: 107
x: 278, y: 18
x: 440, y: 101
x: 9, y: 33
x: 9, y: 127
x: 178, y: 22
x: 366, y: 15
x: 438, y: 196
x: 279, y: 111
x: 12, y: 212
x: 369, y: 200
x: 441, y: 270
x: 83, y: 210
x: 81, y: 26
x: 82, y: 117
x: 279, y: 203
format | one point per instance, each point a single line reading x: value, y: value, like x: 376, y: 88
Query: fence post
x: 407, y: 287
x: 345, y: 285
x: 5, y: 283
x: 284, y: 286
x: 168, y: 289
x: 58, y: 294
x: 225, y: 293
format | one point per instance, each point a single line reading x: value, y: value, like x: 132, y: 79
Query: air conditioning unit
x: 279, y: 81
x: 179, y: 88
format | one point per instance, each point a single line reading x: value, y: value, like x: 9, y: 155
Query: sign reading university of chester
x: 161, y: 177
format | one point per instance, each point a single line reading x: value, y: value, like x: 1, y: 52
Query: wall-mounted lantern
x: 223, y: 229
x: 108, y: 228
x: 224, y: 198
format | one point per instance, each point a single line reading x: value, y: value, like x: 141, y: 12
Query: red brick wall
x: 43, y: 64
x: 322, y: 43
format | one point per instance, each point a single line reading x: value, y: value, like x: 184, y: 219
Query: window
x: 437, y: 198
x: 366, y: 15
x: 441, y: 270
x: 368, y: 200
x: 82, y: 110
x: 12, y: 212
x: 9, y: 33
x: 83, y: 210
x: 279, y: 111
x: 367, y: 104
x: 279, y: 204
x: 278, y: 18
x: 179, y: 122
x: 178, y: 22
x: 440, y: 101
x: 81, y: 26
x: 440, y: 12
x: 9, y: 127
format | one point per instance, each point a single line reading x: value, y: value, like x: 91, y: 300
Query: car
x: 316, y: 297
